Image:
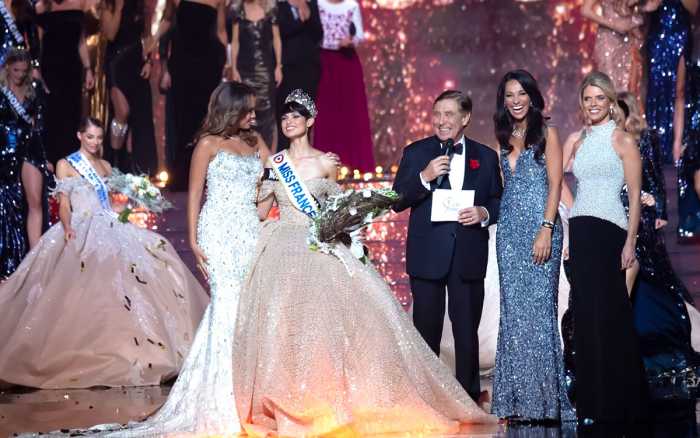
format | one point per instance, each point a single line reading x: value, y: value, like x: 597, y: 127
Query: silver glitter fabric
x: 324, y: 348
x: 599, y: 177
x: 114, y: 306
x: 201, y: 402
x: 529, y: 381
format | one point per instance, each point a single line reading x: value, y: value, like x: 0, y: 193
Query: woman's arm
x: 235, y: 45
x: 64, y: 170
x: 626, y: 147
x: 277, y: 46
x: 357, y: 22
x: 85, y: 60
x: 221, y: 22
x: 623, y: 25
x: 542, y: 247
x: 110, y: 19
x: 568, y: 153
x: 201, y: 156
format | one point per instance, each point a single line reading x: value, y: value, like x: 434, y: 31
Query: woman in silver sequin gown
x: 529, y: 380
x: 223, y: 237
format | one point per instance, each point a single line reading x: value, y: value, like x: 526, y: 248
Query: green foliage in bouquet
x: 344, y: 215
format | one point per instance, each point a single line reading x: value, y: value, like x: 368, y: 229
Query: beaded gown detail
x: 115, y: 306
x: 20, y: 141
x: 616, y: 54
x: 323, y: 346
x: 529, y: 380
x: 256, y: 65
x: 668, y: 40
x: 201, y: 402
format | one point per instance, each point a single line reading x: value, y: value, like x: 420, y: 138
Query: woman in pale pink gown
x: 322, y: 346
x: 97, y: 302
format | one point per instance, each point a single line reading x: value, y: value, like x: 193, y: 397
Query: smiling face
x: 449, y: 120
x: 516, y: 100
x: 91, y: 139
x: 294, y: 125
x: 17, y: 72
x: 596, y: 105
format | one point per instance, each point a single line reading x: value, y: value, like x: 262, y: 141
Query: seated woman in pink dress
x: 322, y: 346
x: 97, y: 302
x: 343, y: 123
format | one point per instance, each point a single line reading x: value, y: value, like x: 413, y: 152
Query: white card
x: 448, y: 203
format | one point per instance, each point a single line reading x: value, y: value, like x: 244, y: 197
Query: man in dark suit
x: 301, y: 32
x: 450, y: 255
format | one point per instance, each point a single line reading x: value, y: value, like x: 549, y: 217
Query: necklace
x: 518, y: 132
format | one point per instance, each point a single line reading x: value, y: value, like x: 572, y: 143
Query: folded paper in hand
x: 448, y: 203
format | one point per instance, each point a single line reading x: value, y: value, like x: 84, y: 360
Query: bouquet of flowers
x: 343, y: 216
x: 139, y: 190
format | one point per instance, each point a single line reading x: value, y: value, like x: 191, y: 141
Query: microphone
x: 449, y: 149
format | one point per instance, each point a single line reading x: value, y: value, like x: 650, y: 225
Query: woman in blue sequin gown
x: 673, y: 107
x: 529, y: 382
x: 660, y: 299
x: 21, y: 154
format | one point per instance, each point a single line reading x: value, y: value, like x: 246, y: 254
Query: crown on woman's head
x: 302, y: 98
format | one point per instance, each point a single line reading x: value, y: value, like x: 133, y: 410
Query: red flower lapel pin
x: 473, y: 164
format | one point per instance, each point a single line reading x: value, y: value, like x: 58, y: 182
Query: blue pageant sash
x: 11, y: 25
x: 85, y: 169
x: 297, y: 191
x: 16, y: 104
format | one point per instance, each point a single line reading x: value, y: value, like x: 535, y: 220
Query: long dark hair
x: 535, y: 136
x: 229, y: 104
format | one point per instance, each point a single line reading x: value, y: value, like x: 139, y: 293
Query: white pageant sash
x: 85, y: 169
x: 16, y: 104
x: 11, y: 25
x: 296, y: 189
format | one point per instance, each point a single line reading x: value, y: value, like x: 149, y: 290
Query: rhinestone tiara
x: 302, y: 98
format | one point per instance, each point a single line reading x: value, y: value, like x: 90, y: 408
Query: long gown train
x: 322, y: 345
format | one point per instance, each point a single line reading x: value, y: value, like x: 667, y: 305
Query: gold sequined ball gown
x: 323, y: 346
x: 115, y: 306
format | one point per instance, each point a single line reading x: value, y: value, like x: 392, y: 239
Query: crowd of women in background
x: 48, y: 71
x: 647, y: 48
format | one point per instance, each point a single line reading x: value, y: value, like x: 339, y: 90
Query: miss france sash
x: 16, y: 104
x: 11, y: 25
x: 85, y: 169
x: 297, y: 191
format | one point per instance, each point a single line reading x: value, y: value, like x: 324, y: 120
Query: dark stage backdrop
x: 417, y: 48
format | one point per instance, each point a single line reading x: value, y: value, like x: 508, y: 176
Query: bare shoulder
x: 64, y: 169
x: 207, y: 145
x: 552, y: 132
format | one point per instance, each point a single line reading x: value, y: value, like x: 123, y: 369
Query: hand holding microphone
x: 440, y: 165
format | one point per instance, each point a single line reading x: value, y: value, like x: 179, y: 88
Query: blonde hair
x: 602, y: 81
x: 14, y: 56
x: 634, y: 122
x: 267, y: 5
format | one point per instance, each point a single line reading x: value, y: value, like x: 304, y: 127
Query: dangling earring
x: 612, y: 111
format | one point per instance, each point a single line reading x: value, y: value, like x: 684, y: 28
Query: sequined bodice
x: 320, y: 189
x: 233, y: 179
x: 228, y: 224
x: 600, y: 176
x: 525, y: 187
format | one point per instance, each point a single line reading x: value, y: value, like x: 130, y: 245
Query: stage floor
x: 47, y: 410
